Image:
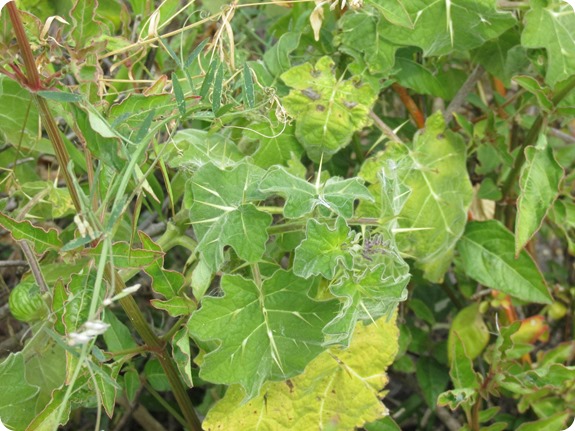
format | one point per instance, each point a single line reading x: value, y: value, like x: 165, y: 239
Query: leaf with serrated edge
x: 222, y: 216
x: 323, y: 250
x: 266, y: 332
x: 339, y: 390
x: 302, y: 197
x: 327, y: 110
x: 41, y: 240
x: 368, y: 295
x: 488, y: 255
x: 540, y: 178
x: 545, y: 28
x: 435, y: 213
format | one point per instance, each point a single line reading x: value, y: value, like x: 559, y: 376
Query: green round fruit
x: 26, y: 302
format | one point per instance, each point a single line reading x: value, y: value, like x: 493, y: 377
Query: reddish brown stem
x: 410, y: 104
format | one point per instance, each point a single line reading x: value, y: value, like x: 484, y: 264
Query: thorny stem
x: 128, y: 303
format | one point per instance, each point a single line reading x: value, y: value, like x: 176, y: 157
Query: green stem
x: 128, y: 303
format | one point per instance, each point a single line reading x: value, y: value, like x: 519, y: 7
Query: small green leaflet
x: 41, y: 240
x: 223, y: 215
x: 323, y: 250
x: 327, y: 110
x: 302, y: 197
x: 265, y: 332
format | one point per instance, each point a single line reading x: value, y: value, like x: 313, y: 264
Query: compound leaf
x: 265, y: 332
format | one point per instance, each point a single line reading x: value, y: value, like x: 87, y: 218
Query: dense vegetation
x: 287, y: 215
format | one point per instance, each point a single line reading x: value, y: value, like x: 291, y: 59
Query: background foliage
x: 316, y: 206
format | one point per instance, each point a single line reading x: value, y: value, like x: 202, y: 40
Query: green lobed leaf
x: 546, y: 28
x: 17, y: 396
x: 435, y: 213
x: 182, y: 355
x: 267, y: 331
x: 276, y: 60
x: 165, y: 282
x: 41, y: 240
x: 358, y: 28
x: 373, y: 290
x: 441, y: 27
x: 327, y: 110
x: 339, y: 390
x: 176, y: 306
x: 323, y: 250
x: 276, y: 142
x: 85, y: 27
x: 539, y: 181
x: 302, y: 197
x: 487, y: 251
x: 222, y: 216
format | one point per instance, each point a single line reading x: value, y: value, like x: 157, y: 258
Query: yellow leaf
x: 339, y: 390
